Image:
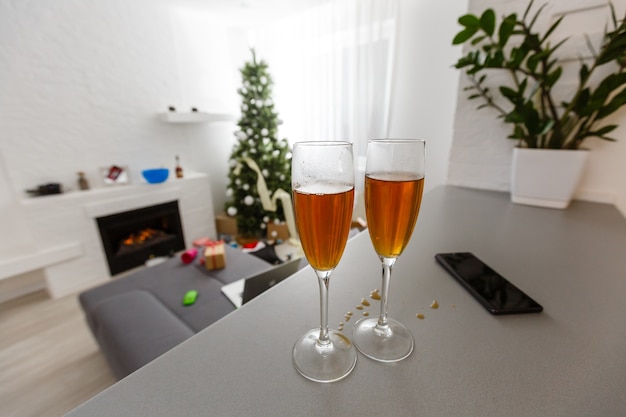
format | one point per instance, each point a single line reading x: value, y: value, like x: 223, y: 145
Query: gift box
x: 214, y: 255
x: 277, y: 231
x: 226, y: 225
x: 201, y: 242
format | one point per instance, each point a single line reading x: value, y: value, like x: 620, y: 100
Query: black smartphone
x: 492, y: 290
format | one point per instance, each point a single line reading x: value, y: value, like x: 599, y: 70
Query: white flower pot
x: 546, y: 177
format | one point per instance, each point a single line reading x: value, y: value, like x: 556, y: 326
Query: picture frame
x: 114, y: 175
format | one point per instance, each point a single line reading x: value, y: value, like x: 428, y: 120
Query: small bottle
x: 83, y: 184
x: 179, y: 169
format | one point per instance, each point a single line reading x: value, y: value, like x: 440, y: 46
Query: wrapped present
x: 214, y: 255
x: 226, y: 225
x: 202, y: 241
x: 277, y: 231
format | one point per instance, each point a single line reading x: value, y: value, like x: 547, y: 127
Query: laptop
x: 245, y: 289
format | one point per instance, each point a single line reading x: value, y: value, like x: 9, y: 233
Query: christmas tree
x: 257, y: 151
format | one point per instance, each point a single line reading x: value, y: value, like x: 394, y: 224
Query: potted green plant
x: 544, y: 127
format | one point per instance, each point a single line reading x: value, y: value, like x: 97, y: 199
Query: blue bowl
x: 155, y: 176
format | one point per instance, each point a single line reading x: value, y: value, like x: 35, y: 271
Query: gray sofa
x: 137, y: 318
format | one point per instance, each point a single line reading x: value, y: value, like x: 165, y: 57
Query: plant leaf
x: 584, y: 73
x: 464, y: 35
x: 488, y: 21
x: 549, y: 31
x: 581, y: 102
x: 533, y: 61
x: 506, y: 29
x: 469, y: 21
x: 477, y: 39
x: 547, y: 126
x: 533, y: 90
x: 616, y: 102
x: 510, y: 94
x: 530, y: 4
x: 553, y: 77
x: 518, y: 55
x: 532, y: 23
x: 602, y: 131
x: 606, y: 87
x: 518, y: 133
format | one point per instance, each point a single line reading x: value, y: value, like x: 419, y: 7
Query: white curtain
x: 332, y: 69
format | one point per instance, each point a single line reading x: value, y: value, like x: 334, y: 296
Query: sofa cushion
x: 133, y: 328
x: 140, y: 316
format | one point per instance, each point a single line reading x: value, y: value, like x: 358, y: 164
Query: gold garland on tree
x: 269, y: 202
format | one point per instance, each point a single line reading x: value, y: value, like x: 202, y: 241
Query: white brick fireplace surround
x: 69, y: 249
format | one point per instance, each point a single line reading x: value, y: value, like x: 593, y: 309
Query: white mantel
x: 65, y: 225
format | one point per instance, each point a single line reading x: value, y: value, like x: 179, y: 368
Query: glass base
x: 390, y: 343
x: 324, y: 363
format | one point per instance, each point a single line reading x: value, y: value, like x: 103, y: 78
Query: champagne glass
x: 394, y: 182
x: 322, y: 179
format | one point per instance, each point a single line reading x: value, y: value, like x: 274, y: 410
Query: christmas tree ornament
x: 248, y: 200
x: 231, y: 211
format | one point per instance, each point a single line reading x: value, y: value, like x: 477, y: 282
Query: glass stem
x: 323, y: 278
x: 384, y: 296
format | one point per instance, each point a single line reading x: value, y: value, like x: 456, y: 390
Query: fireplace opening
x: 131, y: 238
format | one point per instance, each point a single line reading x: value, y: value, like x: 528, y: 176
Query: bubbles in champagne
x: 324, y: 187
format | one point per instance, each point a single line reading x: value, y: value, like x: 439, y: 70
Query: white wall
x: 82, y: 81
x: 425, y: 84
x: 481, y: 154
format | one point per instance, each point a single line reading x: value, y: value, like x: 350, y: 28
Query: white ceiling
x: 249, y: 8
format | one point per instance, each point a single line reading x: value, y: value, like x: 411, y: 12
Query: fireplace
x: 132, y: 237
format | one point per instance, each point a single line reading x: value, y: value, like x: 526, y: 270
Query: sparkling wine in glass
x: 322, y: 180
x: 394, y: 182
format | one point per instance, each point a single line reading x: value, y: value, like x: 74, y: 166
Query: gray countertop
x: 569, y: 360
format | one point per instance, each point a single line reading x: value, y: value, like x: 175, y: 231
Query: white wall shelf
x: 68, y: 247
x: 194, y: 117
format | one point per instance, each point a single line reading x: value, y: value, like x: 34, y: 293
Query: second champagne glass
x: 394, y: 182
x: 322, y: 179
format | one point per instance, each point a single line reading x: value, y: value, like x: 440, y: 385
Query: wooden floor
x: 49, y: 361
